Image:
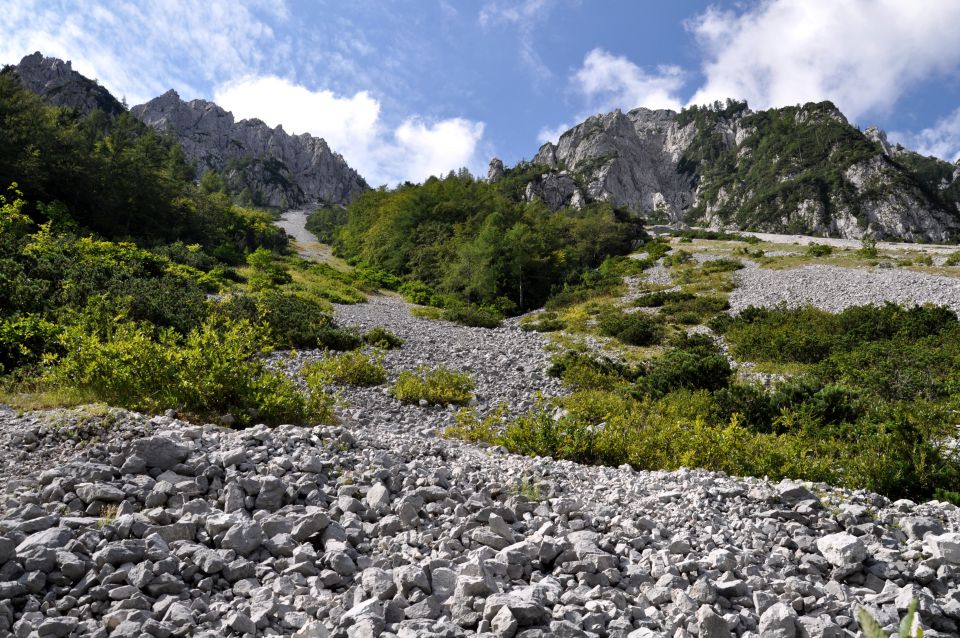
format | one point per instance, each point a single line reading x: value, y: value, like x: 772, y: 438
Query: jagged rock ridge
x: 796, y: 169
x: 58, y: 84
x: 279, y: 169
x: 262, y: 165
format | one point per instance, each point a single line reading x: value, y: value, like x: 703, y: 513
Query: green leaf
x: 868, y: 624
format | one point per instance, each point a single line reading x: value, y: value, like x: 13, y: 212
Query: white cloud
x: 342, y: 121
x: 553, y: 133
x: 940, y: 140
x: 414, y: 150
x: 606, y: 82
x: 525, y: 16
x: 861, y: 54
x: 134, y: 49
x: 619, y: 83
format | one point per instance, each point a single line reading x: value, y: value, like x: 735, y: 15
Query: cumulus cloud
x: 940, y: 140
x: 135, y: 48
x: 861, y: 54
x: 613, y: 81
x: 414, y: 150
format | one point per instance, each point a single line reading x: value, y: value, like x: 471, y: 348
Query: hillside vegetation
x: 459, y: 240
x: 122, y: 280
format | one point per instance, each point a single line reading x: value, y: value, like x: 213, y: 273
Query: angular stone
x: 243, y: 538
x: 160, y: 452
x: 945, y: 546
x: 711, y: 625
x: 842, y: 549
x: 779, y: 621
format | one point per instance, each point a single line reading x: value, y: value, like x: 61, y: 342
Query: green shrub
x: 868, y: 248
x: 657, y: 299
x: 438, y: 385
x: 695, y: 309
x: 349, y: 368
x: 217, y: 369
x: 691, y: 368
x: 543, y: 325
x: 473, y: 316
x: 819, y: 250
x: 636, y: 329
x: 724, y: 264
x: 421, y: 294
x: 380, y: 337
x: 268, y: 270
x: 677, y: 258
x: 953, y: 259
x: 24, y: 339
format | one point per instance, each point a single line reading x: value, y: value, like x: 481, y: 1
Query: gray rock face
x: 645, y: 161
x: 279, y: 169
x: 58, y: 84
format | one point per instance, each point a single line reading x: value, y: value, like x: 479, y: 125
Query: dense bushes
x: 214, y: 370
x: 474, y: 241
x: 873, y: 409
x: 636, y: 329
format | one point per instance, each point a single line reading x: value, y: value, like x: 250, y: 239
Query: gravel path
x: 294, y: 222
x: 834, y: 288
x: 804, y: 240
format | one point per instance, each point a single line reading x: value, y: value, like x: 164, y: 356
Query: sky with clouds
x: 408, y: 88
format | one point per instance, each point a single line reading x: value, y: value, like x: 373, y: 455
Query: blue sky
x: 409, y: 88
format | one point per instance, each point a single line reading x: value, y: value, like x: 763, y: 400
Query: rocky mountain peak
x: 58, y: 84
x: 495, y: 171
x: 701, y: 166
x: 277, y: 169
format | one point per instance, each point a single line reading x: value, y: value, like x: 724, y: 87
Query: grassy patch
x: 380, y: 337
x: 349, y: 368
x: 438, y: 385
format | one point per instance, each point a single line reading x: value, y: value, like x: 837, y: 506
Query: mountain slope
x: 260, y: 165
x: 800, y: 169
x: 58, y: 84
x: 275, y: 168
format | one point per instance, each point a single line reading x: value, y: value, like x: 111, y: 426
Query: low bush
x: 636, y: 329
x: 953, y: 259
x: 657, y: 299
x: 868, y: 249
x: 380, y: 337
x: 723, y: 264
x: 349, y: 368
x: 216, y: 369
x: 439, y: 386
x: 819, y: 250
x: 473, y: 316
x: 543, y: 325
x: 24, y: 339
x: 693, y: 363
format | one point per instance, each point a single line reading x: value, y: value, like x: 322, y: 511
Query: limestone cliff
x: 796, y: 169
x: 276, y: 168
x: 58, y: 84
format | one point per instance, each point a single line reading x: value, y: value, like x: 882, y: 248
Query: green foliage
x: 659, y: 298
x: 470, y: 240
x: 380, y: 337
x: 873, y: 629
x: 543, y: 322
x: 24, y: 339
x: 214, y: 370
x: 438, y: 385
x: 723, y: 264
x: 420, y: 293
x: 819, y: 250
x: 326, y: 221
x: 118, y: 178
x: 473, y: 316
x: 693, y: 363
x: 636, y: 329
x: 953, y: 259
x: 349, y: 368
x: 291, y: 321
x: 868, y: 248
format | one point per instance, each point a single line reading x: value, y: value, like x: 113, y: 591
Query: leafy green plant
x: 473, y: 316
x: 819, y: 250
x: 635, y: 329
x: 872, y: 629
x: 438, y: 385
x: 380, y: 337
x: 868, y: 248
x: 349, y: 368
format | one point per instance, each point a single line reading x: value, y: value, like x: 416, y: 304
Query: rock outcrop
x: 58, y: 84
x: 797, y: 170
x: 279, y: 169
